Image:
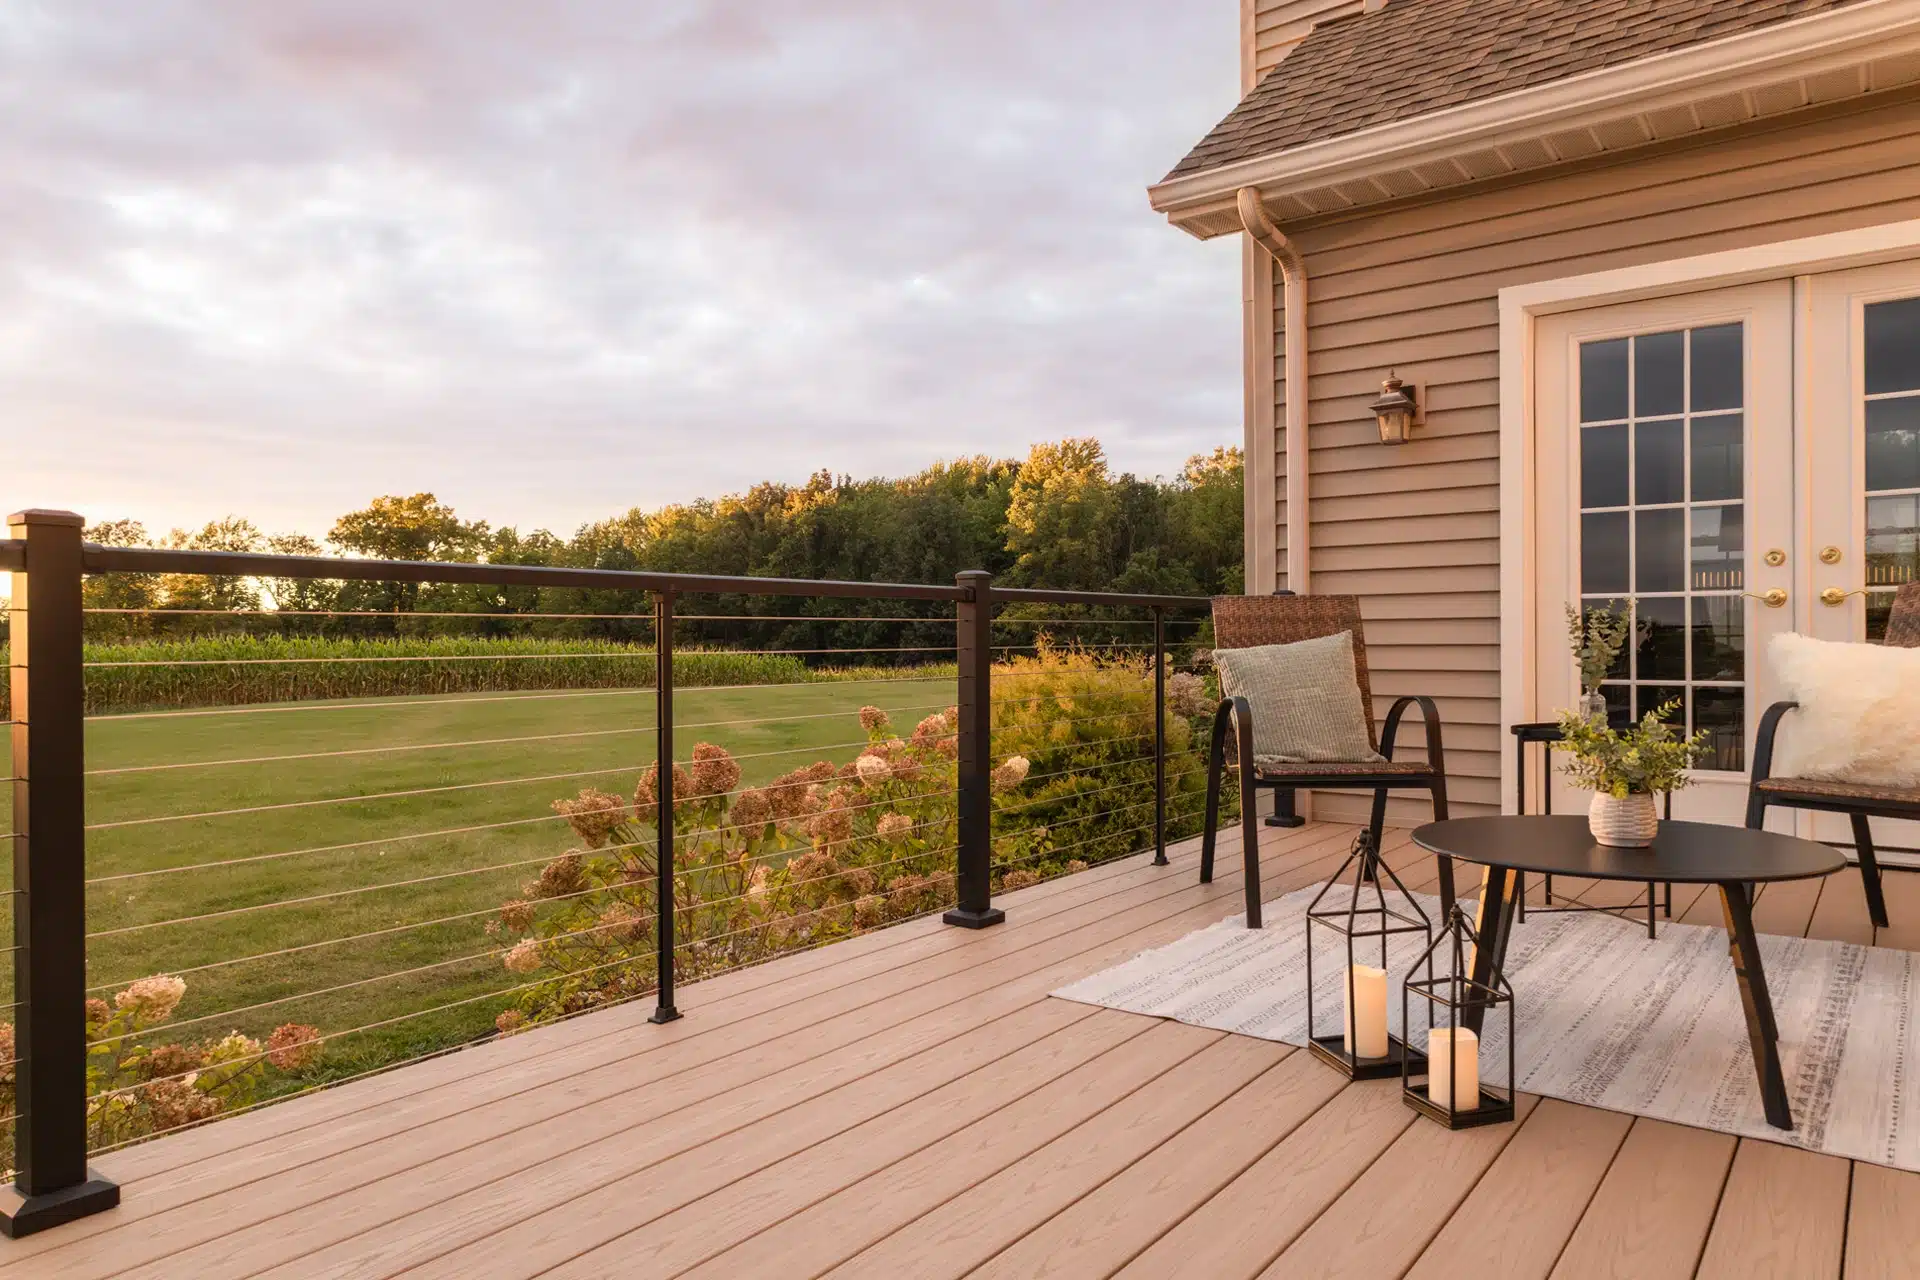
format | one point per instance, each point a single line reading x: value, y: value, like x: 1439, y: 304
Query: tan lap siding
x: 1414, y: 530
x: 1278, y: 25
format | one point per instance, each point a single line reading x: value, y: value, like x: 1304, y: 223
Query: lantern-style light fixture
x: 1355, y: 906
x: 1446, y: 1083
x: 1397, y: 410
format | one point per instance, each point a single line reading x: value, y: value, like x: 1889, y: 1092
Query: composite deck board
x: 912, y: 1103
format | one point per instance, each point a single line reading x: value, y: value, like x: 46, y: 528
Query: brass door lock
x: 1830, y: 555
x: 1776, y: 557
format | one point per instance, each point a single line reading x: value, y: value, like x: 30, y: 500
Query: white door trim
x: 1520, y: 305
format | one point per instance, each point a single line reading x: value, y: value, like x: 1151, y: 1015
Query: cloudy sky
x: 552, y: 260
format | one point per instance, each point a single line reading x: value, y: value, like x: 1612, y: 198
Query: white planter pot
x: 1628, y: 822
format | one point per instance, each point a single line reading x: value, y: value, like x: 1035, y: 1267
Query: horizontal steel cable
x: 362, y: 982
x: 456, y: 699
x: 1075, y: 795
x: 394, y: 615
x: 835, y: 874
x: 636, y: 655
x: 354, y: 937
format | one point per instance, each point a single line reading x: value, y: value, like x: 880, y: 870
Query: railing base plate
x: 664, y: 1015
x: 22, y: 1215
x: 974, y: 919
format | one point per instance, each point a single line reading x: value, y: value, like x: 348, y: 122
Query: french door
x: 1665, y: 477
x: 1736, y: 463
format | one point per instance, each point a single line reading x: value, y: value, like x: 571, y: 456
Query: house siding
x: 1414, y: 530
x: 1278, y: 25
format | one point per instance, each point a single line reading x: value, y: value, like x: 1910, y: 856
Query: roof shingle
x: 1414, y: 57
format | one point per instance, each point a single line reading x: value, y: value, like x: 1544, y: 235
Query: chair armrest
x: 1235, y: 713
x: 1763, y: 740
x: 1429, y: 716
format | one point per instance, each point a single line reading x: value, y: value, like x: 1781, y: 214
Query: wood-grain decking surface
x: 912, y: 1103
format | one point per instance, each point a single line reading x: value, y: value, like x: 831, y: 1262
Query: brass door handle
x: 1775, y: 598
x: 1835, y: 597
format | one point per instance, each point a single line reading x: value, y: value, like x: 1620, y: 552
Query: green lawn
x: 510, y: 755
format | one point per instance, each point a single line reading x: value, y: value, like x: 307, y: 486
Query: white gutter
x: 1869, y: 31
x: 1293, y: 275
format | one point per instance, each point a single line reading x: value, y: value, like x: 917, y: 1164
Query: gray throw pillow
x: 1305, y: 699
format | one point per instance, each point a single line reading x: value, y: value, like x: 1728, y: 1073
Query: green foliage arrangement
x: 1596, y: 637
x: 1642, y: 759
x: 827, y: 851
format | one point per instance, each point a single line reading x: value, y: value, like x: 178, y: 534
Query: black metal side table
x: 1546, y: 733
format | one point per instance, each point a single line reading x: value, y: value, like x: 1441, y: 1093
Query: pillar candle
x: 1366, y: 1029
x: 1453, y: 1079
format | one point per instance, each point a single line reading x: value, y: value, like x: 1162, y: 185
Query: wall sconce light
x: 1398, y: 410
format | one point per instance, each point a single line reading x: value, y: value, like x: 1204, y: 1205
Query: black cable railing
x: 326, y: 842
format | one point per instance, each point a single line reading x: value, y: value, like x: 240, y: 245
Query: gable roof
x: 1414, y: 57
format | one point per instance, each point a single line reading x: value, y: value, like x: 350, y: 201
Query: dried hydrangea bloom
x: 593, y: 814
x: 928, y: 732
x: 810, y: 867
x: 152, y: 999
x: 517, y: 914
x: 757, y: 881
x: 715, y: 771
x: 564, y: 875
x: 870, y: 911
x: 171, y: 1060
x: 834, y: 823
x: 820, y: 771
x: 1187, y: 693
x: 509, y: 1022
x: 1077, y: 864
x: 893, y: 827
x: 7, y: 1053
x: 752, y: 810
x: 646, y: 796
x: 788, y: 794
x: 172, y: 1103
x: 871, y: 770
x: 524, y: 958
x: 1021, y: 879
x: 911, y: 893
x: 874, y: 720
x: 293, y: 1046
x: 1011, y: 773
x: 98, y: 1012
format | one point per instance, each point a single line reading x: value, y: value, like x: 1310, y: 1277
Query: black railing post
x: 973, y: 618
x: 1159, y: 736
x: 53, y: 1184
x: 663, y: 1010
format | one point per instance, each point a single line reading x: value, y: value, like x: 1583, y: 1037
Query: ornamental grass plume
x: 523, y: 958
x: 293, y: 1046
x: 593, y: 815
x: 152, y: 999
x: 715, y: 772
x: 874, y: 720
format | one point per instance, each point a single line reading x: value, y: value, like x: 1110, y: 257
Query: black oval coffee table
x: 1734, y: 858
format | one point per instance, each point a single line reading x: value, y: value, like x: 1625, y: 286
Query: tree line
x: 1061, y: 518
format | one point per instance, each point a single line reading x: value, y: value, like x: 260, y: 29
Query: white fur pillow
x: 1859, y: 716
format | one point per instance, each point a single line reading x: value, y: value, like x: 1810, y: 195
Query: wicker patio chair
x: 1857, y: 800
x: 1241, y: 622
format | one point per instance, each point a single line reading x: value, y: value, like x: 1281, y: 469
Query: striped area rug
x: 1605, y: 1017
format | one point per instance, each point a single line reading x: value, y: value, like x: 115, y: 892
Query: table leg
x: 1736, y: 899
x: 1493, y: 926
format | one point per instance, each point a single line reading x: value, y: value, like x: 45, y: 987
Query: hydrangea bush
x: 139, y: 1084
x: 826, y: 851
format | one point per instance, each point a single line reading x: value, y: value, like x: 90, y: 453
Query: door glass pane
x: 1662, y: 522
x: 1603, y: 381
x: 1719, y: 464
x: 1659, y: 462
x: 1659, y: 553
x: 1892, y: 378
x: 1718, y: 551
x: 1893, y: 443
x: 1717, y: 368
x: 1603, y: 466
x: 1893, y: 346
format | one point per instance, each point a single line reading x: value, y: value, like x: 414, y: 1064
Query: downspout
x: 1293, y: 275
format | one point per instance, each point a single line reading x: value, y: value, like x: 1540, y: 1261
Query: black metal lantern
x: 1396, y: 411
x: 1364, y: 1048
x: 1445, y: 1083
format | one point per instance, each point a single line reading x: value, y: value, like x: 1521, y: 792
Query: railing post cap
x: 48, y: 516
x: 971, y: 576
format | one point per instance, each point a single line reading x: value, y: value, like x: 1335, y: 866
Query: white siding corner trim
x: 1520, y: 305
